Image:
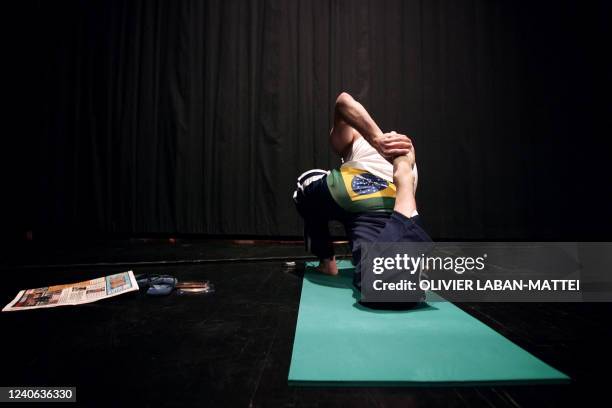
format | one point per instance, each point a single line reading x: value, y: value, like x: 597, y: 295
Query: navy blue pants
x: 317, y: 207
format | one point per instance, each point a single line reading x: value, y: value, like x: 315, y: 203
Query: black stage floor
x: 233, y: 348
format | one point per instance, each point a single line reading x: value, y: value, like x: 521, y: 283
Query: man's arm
x: 351, y: 117
x: 351, y: 112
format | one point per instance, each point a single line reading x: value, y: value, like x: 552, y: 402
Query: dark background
x: 145, y: 117
x: 127, y: 118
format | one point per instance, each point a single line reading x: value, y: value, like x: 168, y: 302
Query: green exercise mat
x: 339, y: 342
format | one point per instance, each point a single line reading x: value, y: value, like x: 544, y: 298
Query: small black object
x: 156, y: 285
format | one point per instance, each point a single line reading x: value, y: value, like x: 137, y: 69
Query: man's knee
x: 304, y: 191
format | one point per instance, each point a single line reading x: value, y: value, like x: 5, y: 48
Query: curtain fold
x: 196, y: 116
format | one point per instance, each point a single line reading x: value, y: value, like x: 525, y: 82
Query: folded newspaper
x: 74, y: 293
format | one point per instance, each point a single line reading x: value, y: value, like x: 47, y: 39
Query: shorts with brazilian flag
x: 356, y: 190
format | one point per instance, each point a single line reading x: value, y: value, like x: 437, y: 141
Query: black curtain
x: 196, y: 116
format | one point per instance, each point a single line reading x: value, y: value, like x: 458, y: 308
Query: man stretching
x: 372, y: 193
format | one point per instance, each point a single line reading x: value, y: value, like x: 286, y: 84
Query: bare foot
x: 328, y: 267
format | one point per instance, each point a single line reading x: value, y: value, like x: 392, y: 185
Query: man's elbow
x: 344, y: 100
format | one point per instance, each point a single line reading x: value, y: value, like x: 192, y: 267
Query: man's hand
x: 391, y: 145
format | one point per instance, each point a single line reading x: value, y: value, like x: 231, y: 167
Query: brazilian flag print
x: 356, y: 190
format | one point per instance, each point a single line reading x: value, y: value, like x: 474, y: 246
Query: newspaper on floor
x: 74, y: 293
